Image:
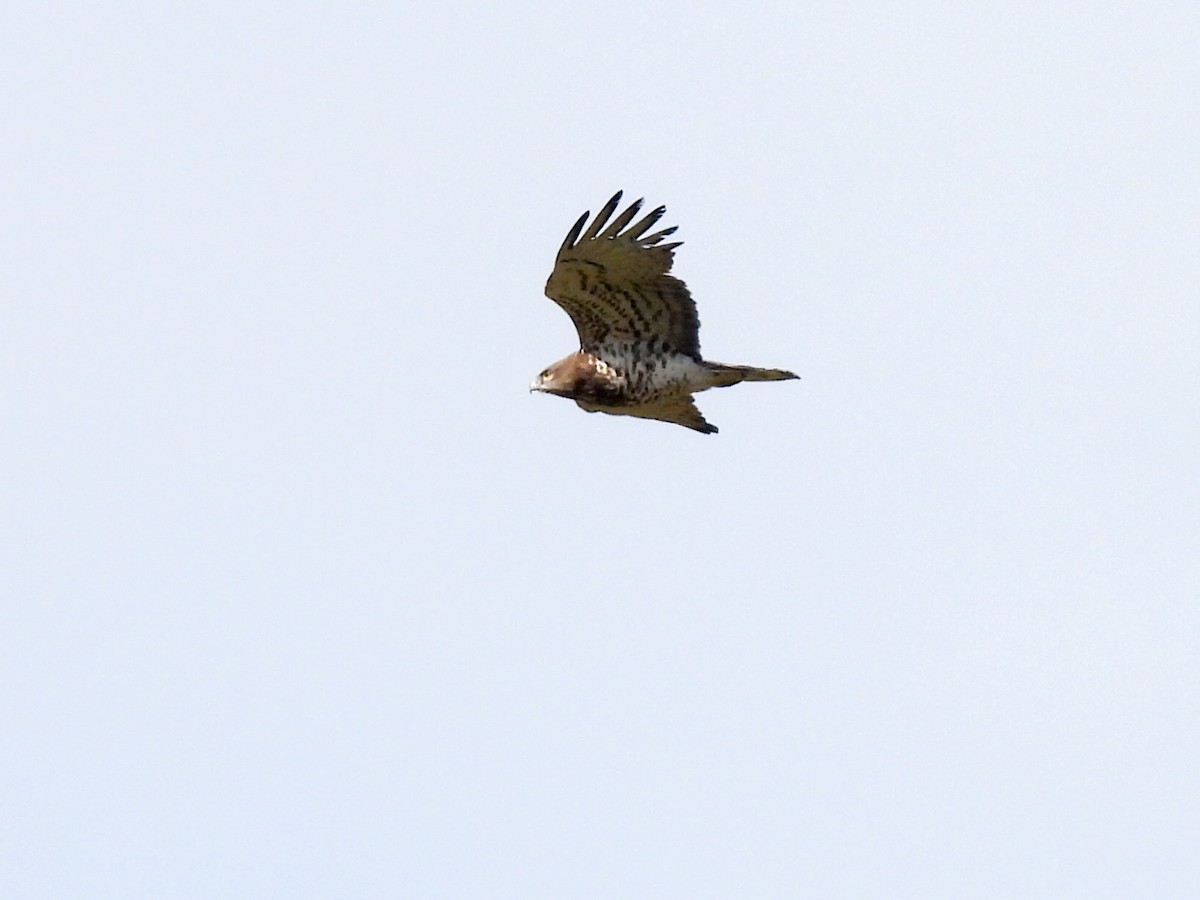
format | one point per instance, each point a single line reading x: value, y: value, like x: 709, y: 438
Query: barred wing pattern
x: 614, y: 285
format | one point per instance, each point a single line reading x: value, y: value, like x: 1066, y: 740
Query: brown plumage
x: 639, y: 335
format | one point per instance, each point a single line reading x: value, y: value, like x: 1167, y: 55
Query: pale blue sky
x: 304, y: 595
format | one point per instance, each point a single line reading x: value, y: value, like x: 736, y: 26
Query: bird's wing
x: 677, y: 411
x: 614, y: 285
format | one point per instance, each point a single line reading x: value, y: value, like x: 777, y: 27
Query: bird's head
x: 582, y: 378
x: 576, y: 376
x: 559, y: 378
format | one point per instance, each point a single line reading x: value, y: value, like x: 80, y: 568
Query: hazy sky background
x: 304, y: 595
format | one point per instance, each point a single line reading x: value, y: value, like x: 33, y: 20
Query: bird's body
x: 638, y: 329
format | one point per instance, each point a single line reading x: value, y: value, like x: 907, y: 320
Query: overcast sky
x: 304, y: 595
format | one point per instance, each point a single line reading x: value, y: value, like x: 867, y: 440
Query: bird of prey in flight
x: 639, y: 336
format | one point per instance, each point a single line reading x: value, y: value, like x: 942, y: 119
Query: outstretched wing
x: 678, y: 411
x: 614, y: 285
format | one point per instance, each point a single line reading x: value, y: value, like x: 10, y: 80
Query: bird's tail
x: 728, y: 375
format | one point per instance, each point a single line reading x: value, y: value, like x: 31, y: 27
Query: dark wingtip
x: 576, y: 230
x: 602, y: 217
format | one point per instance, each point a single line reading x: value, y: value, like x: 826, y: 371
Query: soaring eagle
x: 639, y: 336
